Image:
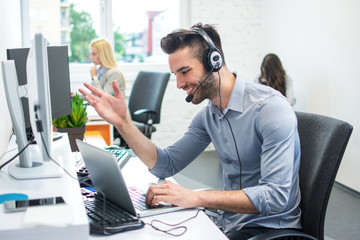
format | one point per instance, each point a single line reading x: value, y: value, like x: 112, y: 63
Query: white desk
x: 135, y: 172
x: 11, y: 224
x: 200, y: 227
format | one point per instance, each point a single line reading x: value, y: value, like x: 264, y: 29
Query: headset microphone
x: 190, y: 97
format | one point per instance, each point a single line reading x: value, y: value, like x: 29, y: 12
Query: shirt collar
x: 101, y: 72
x: 236, y: 102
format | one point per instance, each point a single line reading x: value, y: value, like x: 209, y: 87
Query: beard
x: 208, y: 89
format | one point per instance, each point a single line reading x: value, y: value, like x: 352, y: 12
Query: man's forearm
x: 144, y: 149
x: 232, y: 201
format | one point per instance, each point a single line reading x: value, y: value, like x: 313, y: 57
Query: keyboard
x: 105, y: 217
x: 138, y: 198
x: 122, y: 156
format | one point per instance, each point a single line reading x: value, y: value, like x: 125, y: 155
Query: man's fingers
x: 157, y: 193
x: 117, y: 91
x: 93, y: 89
x: 88, y: 96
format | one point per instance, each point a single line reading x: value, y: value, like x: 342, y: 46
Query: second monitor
x: 59, y: 77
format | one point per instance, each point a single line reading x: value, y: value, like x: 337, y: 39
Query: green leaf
x: 77, y: 118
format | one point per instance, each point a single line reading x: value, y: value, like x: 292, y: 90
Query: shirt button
x: 225, y: 140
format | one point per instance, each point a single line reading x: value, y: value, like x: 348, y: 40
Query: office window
x: 142, y: 24
x: 45, y: 17
x: 136, y: 27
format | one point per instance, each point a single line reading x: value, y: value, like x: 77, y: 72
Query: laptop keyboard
x: 107, y: 218
x: 138, y: 199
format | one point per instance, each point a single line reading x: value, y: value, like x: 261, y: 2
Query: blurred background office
x: 317, y: 39
x: 273, y: 74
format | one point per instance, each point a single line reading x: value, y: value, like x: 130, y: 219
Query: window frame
x: 106, y: 21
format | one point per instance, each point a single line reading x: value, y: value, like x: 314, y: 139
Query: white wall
x: 319, y: 44
x: 10, y: 38
x: 238, y: 24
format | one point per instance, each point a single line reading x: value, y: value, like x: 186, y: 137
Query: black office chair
x: 323, y: 142
x: 145, y: 101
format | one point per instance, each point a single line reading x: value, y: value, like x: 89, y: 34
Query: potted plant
x: 74, y: 123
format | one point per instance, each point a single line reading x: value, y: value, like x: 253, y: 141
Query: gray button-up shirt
x: 265, y: 129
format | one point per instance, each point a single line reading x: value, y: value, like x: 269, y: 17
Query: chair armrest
x: 142, y: 111
x: 282, y: 233
x: 149, y: 120
x: 149, y: 115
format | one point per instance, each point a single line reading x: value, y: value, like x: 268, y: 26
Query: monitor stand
x: 40, y: 169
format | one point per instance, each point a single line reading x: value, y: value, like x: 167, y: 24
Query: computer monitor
x: 35, y: 161
x: 59, y: 77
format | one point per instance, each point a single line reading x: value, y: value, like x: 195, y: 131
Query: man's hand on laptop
x: 171, y: 193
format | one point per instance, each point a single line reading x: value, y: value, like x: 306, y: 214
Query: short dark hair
x: 181, y: 38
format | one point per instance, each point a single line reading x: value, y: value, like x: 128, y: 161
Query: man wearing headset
x: 253, y: 129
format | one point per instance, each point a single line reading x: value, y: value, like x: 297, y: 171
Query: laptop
x: 106, y: 176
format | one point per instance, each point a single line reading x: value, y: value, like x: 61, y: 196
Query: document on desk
x: 55, y: 215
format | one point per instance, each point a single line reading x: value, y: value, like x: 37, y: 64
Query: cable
x: 2, y: 155
x: 175, y: 226
x: 22, y: 150
x: 47, y: 153
x: 12, y: 134
x: 16, y: 155
x: 40, y: 129
x: 232, y: 133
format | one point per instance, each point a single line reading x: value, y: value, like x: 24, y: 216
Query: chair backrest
x: 147, y: 93
x: 323, y: 141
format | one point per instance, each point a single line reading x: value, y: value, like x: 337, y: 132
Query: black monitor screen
x: 59, y: 77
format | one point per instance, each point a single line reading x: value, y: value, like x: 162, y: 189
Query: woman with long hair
x: 105, y: 69
x: 273, y: 75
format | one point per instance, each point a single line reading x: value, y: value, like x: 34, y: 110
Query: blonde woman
x: 105, y: 69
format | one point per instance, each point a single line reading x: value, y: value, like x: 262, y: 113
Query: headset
x: 212, y: 58
x: 213, y: 61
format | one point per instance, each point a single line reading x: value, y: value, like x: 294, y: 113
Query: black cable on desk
x: 175, y: 226
x: 16, y: 155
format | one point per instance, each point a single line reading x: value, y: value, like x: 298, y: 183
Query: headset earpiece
x: 212, y: 58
